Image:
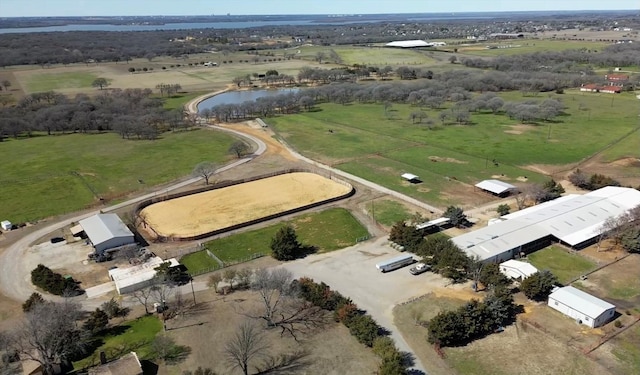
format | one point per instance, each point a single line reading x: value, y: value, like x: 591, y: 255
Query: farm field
x: 360, y: 139
x: 198, y: 214
x: 51, y: 175
x: 326, y: 230
x: 565, y: 266
x: 522, y: 46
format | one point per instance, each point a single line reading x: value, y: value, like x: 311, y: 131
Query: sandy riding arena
x: 202, y: 213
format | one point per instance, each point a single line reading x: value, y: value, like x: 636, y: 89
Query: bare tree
x: 214, y: 281
x: 205, y: 170
x: 143, y: 295
x: 48, y: 334
x: 281, y: 306
x: 230, y: 275
x: 247, y: 345
x: 239, y: 148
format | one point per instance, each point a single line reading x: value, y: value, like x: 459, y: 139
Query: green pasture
x: 564, y: 265
x: 135, y: 335
x: 327, y: 230
x: 363, y: 140
x: 199, y: 262
x: 523, y: 46
x: 71, y: 80
x: 372, y: 56
x: 388, y: 212
x: 179, y: 100
x: 51, y: 175
x: 627, y: 350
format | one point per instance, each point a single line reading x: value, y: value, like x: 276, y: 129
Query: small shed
x: 6, y: 225
x: 410, y: 177
x: 432, y: 223
x: 583, y: 307
x: 516, y: 269
x: 496, y: 187
x: 128, y: 280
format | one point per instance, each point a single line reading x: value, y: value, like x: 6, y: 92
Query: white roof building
x: 495, y: 186
x: 516, y: 269
x: 410, y: 177
x: 572, y: 219
x: 130, y: 279
x: 106, y: 231
x: 432, y: 223
x: 414, y: 44
x: 583, y: 307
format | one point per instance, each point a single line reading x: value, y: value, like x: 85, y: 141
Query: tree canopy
x: 285, y: 244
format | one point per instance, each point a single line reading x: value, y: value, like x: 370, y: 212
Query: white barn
x: 106, y: 231
x: 516, y: 269
x: 582, y: 307
x: 128, y: 280
x: 574, y: 220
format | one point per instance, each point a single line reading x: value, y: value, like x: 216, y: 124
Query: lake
x: 238, y: 97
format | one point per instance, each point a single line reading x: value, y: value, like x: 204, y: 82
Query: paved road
x: 15, y: 277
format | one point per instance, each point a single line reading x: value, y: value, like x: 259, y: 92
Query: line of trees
x: 132, y: 113
x: 594, y: 182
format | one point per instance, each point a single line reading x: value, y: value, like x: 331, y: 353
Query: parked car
x: 57, y: 239
x: 419, y: 268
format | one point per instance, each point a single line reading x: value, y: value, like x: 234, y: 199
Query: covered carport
x: 496, y: 187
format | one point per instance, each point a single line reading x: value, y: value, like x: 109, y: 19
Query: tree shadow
x: 285, y: 363
x: 177, y: 354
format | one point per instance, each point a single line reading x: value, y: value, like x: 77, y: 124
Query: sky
x: 43, y: 8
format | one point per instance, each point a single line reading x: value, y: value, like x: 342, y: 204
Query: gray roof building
x: 583, y: 307
x: 571, y: 219
x: 106, y: 231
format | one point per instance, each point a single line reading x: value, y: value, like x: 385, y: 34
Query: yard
x: 135, y: 335
x: 51, y: 175
x: 327, y: 230
x: 564, y: 265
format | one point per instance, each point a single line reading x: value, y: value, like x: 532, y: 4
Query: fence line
x: 227, y: 264
x: 209, y: 253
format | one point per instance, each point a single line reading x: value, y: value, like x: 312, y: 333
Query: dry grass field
x: 205, y: 212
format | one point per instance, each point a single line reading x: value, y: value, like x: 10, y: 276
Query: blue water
x: 238, y: 97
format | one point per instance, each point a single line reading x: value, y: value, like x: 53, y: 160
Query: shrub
x: 363, y: 328
x: 285, y: 245
x: 618, y: 324
x: 52, y: 282
x: 97, y: 322
x: 34, y: 299
x: 132, y: 70
x: 503, y: 209
x: 144, y: 69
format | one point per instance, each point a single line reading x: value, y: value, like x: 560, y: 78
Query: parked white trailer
x: 6, y: 225
x: 395, y: 263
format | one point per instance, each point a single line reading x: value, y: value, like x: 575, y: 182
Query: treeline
x: 54, y: 283
x: 132, y: 113
x: 361, y: 325
x: 429, y: 93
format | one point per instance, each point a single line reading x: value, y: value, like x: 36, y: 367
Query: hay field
x: 216, y: 209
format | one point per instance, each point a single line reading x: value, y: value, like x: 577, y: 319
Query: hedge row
x: 361, y: 325
x: 54, y: 283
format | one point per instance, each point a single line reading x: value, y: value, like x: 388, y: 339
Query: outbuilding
x: 515, y: 269
x: 496, y: 187
x: 128, y: 280
x: 410, y: 177
x: 106, y: 231
x: 583, y: 307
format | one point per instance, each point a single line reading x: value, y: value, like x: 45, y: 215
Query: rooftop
x: 495, y: 186
x: 583, y: 302
x: 103, y: 227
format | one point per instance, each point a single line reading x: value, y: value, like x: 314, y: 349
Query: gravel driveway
x: 352, y: 272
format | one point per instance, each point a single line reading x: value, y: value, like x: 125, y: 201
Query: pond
x: 238, y: 97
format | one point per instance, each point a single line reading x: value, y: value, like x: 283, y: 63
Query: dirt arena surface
x: 216, y: 209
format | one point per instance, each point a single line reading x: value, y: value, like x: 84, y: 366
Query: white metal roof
x: 124, y: 277
x: 409, y: 176
x: 495, y: 186
x: 572, y: 219
x: 580, y: 301
x: 526, y: 269
x: 438, y: 221
x: 408, y: 43
x: 103, y: 227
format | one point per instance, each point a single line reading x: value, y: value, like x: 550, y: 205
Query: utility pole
x: 193, y: 292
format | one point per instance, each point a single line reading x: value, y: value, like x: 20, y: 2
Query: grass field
x: 179, y: 100
x: 135, y: 335
x: 627, y: 350
x: 327, y: 230
x: 365, y: 142
x: 50, y: 175
x: 199, y: 262
x: 517, y: 47
x: 65, y: 80
x: 388, y: 212
x: 373, y: 56
x: 564, y: 265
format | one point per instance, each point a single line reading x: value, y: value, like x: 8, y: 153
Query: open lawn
x: 372, y: 56
x: 135, y: 335
x: 627, y: 350
x: 564, y: 265
x: 361, y: 139
x: 327, y: 230
x: 179, y: 100
x: 522, y: 46
x: 199, y: 262
x: 40, y: 82
x: 50, y: 175
x: 388, y: 212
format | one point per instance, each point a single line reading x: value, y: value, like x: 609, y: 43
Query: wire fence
x: 223, y: 264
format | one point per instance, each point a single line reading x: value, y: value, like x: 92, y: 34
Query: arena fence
x: 224, y: 184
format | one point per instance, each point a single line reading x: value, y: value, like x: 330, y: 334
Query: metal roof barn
x: 583, y: 307
x: 106, y: 231
x: 572, y: 219
x: 495, y: 186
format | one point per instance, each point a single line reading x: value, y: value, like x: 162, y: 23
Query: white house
x: 582, y: 307
x: 516, y: 269
x: 106, y: 231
